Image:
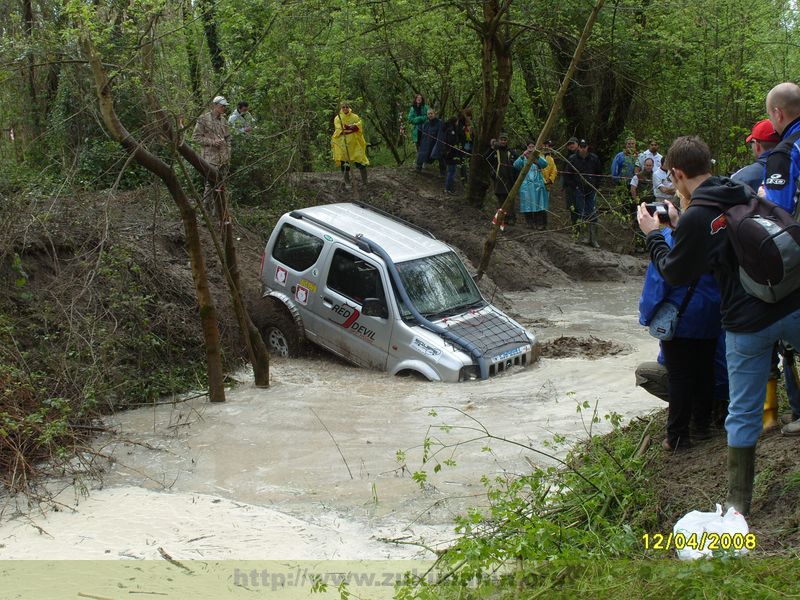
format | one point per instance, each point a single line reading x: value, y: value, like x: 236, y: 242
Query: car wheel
x: 280, y: 336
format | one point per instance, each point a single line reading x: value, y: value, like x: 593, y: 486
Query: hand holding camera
x: 652, y: 216
x: 660, y: 210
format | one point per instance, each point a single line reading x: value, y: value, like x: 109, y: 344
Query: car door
x: 349, y: 280
x: 294, y: 270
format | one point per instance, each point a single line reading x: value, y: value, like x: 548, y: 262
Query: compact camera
x: 660, y: 210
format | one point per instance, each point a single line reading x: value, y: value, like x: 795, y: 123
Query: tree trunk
x: 256, y: 350
x: 191, y: 48
x: 491, y: 239
x: 30, y: 71
x: 208, y: 312
x: 496, y: 72
x: 212, y: 37
x: 259, y: 355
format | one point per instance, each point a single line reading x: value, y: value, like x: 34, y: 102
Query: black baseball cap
x: 583, y: 143
x: 572, y: 140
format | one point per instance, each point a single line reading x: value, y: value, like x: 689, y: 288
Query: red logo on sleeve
x: 718, y: 224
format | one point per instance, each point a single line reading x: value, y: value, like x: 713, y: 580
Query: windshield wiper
x: 455, y: 310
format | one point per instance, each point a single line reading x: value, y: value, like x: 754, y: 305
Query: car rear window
x: 297, y: 249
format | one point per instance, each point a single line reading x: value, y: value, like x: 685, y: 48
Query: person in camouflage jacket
x: 211, y: 132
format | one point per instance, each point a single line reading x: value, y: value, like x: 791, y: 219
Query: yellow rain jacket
x: 550, y: 172
x: 346, y: 146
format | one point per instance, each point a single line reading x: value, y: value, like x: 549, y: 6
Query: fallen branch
x: 334, y: 443
x: 172, y: 561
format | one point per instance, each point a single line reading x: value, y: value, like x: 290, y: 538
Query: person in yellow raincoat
x: 348, y: 144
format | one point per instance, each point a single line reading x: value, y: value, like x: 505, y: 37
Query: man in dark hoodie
x: 702, y: 244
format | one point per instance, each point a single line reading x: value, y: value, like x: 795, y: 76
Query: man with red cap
x: 762, y: 140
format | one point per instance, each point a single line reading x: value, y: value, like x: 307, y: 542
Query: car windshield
x: 438, y: 286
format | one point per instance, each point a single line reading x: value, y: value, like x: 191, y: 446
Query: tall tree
x: 494, y: 32
x: 208, y: 11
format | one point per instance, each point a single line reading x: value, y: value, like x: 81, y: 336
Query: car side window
x: 354, y: 278
x: 297, y: 249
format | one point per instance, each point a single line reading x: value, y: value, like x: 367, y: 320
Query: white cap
x: 220, y: 100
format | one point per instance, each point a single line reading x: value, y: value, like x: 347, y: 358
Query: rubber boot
x: 741, y: 472
x: 544, y: 220
x: 530, y: 220
x: 346, y: 176
x: 583, y: 238
x: 770, y: 418
x: 364, y: 176
x: 593, y: 235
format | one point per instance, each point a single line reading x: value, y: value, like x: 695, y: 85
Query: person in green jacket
x: 417, y: 116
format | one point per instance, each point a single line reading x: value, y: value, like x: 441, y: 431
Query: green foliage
x: 591, y: 508
x: 649, y: 70
x: 640, y: 578
x: 90, y: 339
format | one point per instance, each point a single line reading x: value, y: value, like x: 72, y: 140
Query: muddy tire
x: 281, y: 336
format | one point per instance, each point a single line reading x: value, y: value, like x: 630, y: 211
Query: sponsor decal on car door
x: 350, y: 280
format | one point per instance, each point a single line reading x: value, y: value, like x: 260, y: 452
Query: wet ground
x: 310, y: 468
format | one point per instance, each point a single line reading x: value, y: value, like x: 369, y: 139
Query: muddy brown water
x: 309, y: 469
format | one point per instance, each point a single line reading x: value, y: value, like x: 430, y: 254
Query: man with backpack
x: 708, y: 238
x: 782, y: 186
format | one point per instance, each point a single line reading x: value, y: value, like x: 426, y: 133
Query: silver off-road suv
x: 385, y: 294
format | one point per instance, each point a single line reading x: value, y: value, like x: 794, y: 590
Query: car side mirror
x: 374, y: 307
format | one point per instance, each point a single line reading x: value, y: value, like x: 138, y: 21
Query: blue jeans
x: 749, y: 363
x: 450, y: 179
x: 792, y: 389
x: 585, y: 205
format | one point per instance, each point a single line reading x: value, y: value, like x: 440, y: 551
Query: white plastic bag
x: 707, y: 534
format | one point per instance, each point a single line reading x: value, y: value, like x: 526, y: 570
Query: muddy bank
x: 522, y: 260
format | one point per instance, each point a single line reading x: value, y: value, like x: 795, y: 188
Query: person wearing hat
x: 583, y: 176
x: 501, y: 159
x: 762, y: 140
x: 348, y: 145
x: 212, y: 134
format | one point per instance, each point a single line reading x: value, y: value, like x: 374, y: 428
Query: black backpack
x: 766, y: 240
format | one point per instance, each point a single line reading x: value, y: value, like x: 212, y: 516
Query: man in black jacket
x: 752, y: 326
x: 582, y: 174
x: 501, y: 159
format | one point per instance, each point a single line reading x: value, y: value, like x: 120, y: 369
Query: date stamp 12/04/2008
x: 707, y: 540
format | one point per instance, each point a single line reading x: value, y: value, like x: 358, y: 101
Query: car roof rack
x: 394, y: 218
x: 296, y: 214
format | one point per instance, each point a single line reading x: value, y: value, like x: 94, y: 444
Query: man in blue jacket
x: 781, y: 178
x: 625, y: 163
x: 782, y: 186
x: 752, y: 326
